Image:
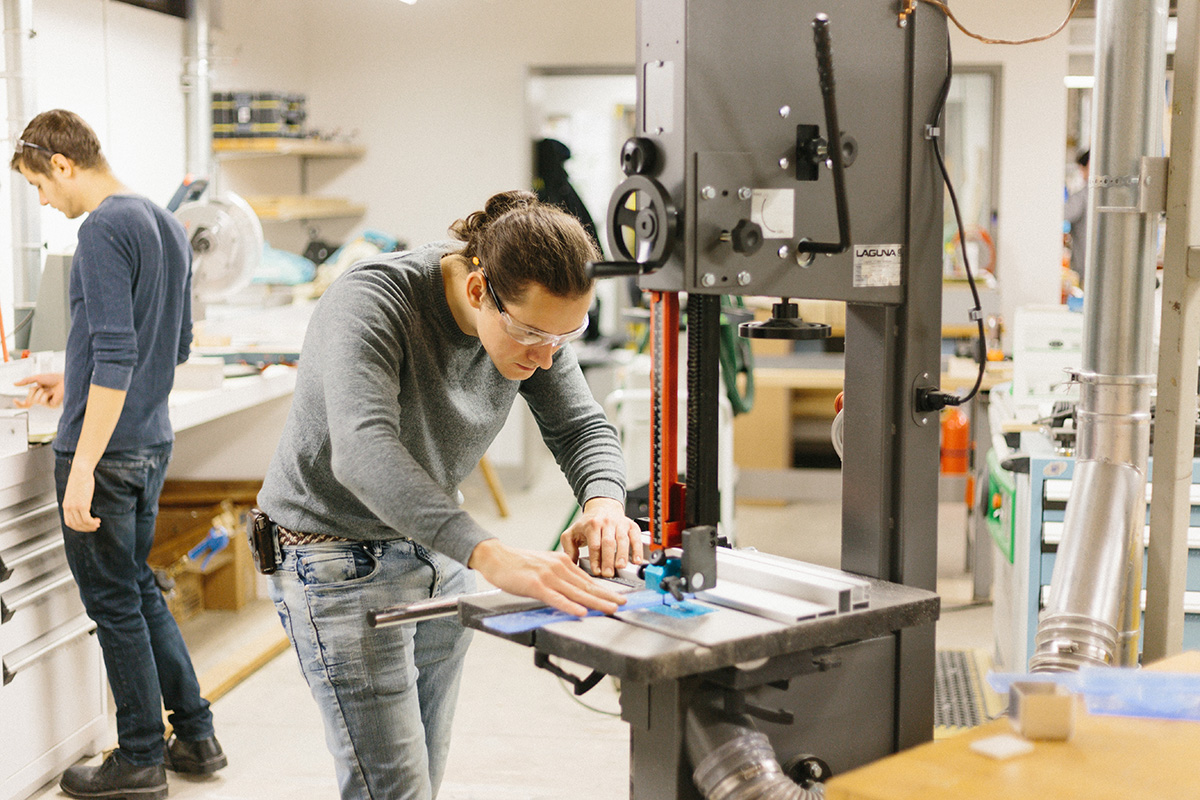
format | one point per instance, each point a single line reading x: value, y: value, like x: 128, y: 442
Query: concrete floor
x: 519, y: 735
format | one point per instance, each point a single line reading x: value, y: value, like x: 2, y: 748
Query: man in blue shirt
x: 130, y: 307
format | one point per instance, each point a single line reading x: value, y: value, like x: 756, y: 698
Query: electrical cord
x: 736, y: 359
x: 571, y: 694
x: 911, y: 5
x: 936, y: 399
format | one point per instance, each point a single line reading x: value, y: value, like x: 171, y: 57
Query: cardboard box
x: 186, y: 599
x: 227, y: 580
x: 230, y: 579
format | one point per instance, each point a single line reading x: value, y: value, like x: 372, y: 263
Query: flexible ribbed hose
x: 734, y: 761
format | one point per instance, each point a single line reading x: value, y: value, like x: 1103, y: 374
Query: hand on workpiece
x: 611, y: 538
x: 550, y: 577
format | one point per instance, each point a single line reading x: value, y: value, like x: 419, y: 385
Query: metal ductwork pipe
x: 197, y: 89
x: 735, y: 761
x: 1092, y: 613
x: 22, y: 107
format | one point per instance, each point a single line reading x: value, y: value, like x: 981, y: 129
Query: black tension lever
x: 835, y: 153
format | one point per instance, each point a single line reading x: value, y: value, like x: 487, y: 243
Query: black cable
x: 935, y: 399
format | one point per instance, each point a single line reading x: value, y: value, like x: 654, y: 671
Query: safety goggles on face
x: 24, y: 145
x: 523, y: 334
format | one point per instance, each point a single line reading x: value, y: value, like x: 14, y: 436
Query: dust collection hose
x: 735, y: 761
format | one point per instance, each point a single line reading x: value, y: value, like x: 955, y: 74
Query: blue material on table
x: 1121, y: 691
x: 523, y: 621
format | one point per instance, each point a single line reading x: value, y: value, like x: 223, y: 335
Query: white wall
x: 118, y: 67
x: 1033, y: 113
x: 437, y: 91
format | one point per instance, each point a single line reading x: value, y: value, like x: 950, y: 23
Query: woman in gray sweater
x: 410, y: 366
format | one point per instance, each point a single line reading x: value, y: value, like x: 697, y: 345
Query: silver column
x: 197, y: 89
x: 1092, y: 614
x: 22, y: 107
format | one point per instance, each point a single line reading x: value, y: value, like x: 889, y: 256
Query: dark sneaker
x: 116, y: 778
x: 200, y: 758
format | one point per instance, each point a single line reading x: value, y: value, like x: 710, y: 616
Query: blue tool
x: 216, y: 541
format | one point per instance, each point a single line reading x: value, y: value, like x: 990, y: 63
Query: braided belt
x: 289, y: 538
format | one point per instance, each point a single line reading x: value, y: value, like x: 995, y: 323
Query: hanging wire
x: 942, y: 399
x: 571, y: 694
x: 945, y: 9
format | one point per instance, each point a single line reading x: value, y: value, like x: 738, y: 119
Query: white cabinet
x: 53, y: 701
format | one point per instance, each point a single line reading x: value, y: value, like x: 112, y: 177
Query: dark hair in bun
x: 519, y: 240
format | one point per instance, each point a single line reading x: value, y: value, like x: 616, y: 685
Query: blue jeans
x: 387, y: 695
x: 148, y: 663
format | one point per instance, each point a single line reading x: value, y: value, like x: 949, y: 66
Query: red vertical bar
x: 666, y: 493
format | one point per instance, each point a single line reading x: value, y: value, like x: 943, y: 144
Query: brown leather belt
x: 289, y: 538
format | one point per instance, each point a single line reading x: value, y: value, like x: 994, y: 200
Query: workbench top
x: 1108, y: 757
x: 635, y: 653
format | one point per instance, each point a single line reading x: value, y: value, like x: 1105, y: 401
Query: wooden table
x: 1108, y: 757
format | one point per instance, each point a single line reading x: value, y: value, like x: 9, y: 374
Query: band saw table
x: 802, y: 681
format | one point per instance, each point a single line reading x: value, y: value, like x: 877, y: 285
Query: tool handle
x: 420, y: 610
x: 836, y: 157
x: 612, y: 269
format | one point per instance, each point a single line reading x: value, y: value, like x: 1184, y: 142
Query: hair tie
x: 475, y: 260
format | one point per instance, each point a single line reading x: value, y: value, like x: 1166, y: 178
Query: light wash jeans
x: 387, y: 695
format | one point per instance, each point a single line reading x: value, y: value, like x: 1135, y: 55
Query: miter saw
x: 227, y: 245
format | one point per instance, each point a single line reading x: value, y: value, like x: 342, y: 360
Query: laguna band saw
x: 783, y: 150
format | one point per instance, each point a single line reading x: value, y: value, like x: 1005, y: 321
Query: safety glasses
x: 523, y: 334
x: 24, y: 145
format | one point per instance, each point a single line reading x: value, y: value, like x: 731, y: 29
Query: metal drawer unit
x: 1039, y: 507
x: 54, y: 698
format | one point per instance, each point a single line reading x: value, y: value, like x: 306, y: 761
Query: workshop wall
x: 436, y: 90
x: 1033, y: 112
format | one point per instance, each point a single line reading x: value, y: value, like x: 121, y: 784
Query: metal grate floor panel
x: 957, y: 694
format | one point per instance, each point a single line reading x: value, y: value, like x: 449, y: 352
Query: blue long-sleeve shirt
x: 131, y: 319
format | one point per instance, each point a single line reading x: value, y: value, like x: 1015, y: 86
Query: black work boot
x: 201, y: 758
x: 116, y: 778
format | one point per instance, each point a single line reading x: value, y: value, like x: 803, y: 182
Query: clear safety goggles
x: 524, y: 334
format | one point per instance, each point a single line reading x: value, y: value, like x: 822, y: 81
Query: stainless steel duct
x: 22, y: 106
x: 1092, y: 613
x: 197, y: 89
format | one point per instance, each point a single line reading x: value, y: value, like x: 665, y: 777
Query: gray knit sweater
x: 395, y: 405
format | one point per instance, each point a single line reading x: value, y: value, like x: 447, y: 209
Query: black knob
x: 747, y: 237
x: 639, y: 156
x: 807, y: 770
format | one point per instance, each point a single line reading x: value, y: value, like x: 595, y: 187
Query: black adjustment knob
x: 807, y: 770
x: 747, y: 237
x: 639, y: 156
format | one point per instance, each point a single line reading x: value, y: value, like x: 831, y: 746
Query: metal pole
x: 1179, y: 351
x: 1093, y: 610
x: 197, y: 89
x: 22, y: 106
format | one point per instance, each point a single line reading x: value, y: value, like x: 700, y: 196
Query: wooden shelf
x: 289, y: 208
x: 247, y: 147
